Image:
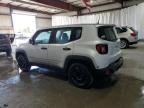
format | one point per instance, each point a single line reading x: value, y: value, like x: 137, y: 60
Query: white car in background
x: 128, y: 36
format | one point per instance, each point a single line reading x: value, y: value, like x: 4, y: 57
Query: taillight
x: 102, y: 48
x: 133, y: 34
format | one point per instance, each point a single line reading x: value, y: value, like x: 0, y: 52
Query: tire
x: 124, y: 44
x: 80, y: 76
x: 23, y: 63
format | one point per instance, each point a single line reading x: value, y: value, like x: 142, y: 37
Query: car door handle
x: 66, y: 49
x: 43, y: 48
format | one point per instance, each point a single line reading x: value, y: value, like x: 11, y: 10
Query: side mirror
x: 31, y: 41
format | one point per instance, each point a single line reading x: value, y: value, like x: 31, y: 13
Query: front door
x: 40, y: 47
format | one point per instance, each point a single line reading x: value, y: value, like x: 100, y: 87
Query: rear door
x: 61, y: 47
x: 108, y: 35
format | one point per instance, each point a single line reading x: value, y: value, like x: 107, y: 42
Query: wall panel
x: 43, y: 22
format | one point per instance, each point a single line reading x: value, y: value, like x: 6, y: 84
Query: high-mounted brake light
x: 102, y: 48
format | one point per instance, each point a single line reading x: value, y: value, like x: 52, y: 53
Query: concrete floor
x: 134, y: 61
x: 46, y: 89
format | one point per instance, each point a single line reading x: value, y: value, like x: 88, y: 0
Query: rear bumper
x: 131, y: 43
x: 108, y: 71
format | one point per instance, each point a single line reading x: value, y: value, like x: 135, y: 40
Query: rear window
x: 133, y: 29
x: 107, y: 33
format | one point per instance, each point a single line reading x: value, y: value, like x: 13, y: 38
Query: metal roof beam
x: 58, y: 4
x: 119, y: 1
x: 24, y: 9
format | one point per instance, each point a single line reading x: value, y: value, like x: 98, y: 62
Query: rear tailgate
x: 134, y: 34
x: 108, y: 35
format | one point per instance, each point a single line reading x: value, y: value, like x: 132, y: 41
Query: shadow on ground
x: 132, y: 47
x: 100, y: 82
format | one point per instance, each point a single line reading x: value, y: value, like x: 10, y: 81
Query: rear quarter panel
x: 86, y: 46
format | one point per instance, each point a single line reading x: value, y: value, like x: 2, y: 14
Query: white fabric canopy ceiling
x: 131, y: 16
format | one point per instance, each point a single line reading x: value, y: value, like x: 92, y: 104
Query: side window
x: 124, y: 29
x: 43, y: 37
x: 119, y: 30
x: 63, y: 36
x: 77, y: 33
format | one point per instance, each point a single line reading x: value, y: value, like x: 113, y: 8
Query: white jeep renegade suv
x: 82, y: 51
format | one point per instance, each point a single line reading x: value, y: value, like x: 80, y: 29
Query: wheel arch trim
x: 20, y: 51
x: 78, y: 58
x: 125, y: 39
